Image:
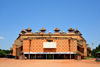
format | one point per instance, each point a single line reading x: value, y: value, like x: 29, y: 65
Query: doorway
x: 50, y: 56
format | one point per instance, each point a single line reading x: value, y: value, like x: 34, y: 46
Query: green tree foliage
x: 94, y: 51
x: 3, y: 53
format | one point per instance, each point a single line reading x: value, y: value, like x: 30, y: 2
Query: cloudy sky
x: 18, y: 14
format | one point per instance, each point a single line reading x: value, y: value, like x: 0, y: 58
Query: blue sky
x: 18, y: 14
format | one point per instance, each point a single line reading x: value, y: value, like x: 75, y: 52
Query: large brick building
x: 50, y: 46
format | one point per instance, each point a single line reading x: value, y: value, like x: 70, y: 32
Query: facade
x: 59, y: 45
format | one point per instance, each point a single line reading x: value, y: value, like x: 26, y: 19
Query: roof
x: 57, y: 29
x: 37, y: 34
x: 80, y: 33
x: 42, y: 29
x: 70, y: 29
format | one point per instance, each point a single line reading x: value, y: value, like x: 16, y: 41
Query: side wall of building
x: 14, y: 49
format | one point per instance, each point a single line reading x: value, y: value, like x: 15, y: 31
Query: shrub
x: 77, y: 53
x: 2, y: 54
x: 91, y: 57
x: 86, y: 57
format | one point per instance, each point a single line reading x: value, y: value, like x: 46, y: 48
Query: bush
x: 94, y: 51
x: 2, y: 54
x: 86, y: 57
x: 77, y: 53
x: 91, y: 57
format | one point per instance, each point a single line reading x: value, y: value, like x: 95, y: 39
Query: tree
x: 3, y: 53
x: 94, y: 51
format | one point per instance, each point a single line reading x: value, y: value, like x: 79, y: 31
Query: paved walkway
x: 48, y: 63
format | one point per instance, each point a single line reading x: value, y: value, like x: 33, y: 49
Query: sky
x: 18, y: 14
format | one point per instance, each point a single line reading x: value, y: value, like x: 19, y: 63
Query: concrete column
x: 64, y: 56
x: 16, y: 53
x: 46, y: 56
x: 35, y: 56
x: 53, y: 56
x: 70, y: 55
x: 29, y: 56
x: 85, y: 51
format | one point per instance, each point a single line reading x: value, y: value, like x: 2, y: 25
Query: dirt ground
x: 48, y: 63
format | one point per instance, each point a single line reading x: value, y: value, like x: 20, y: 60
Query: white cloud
x: 2, y: 38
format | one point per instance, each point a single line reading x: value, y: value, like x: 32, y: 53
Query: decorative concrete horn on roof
x: 23, y: 31
x: 49, y: 32
x: 57, y: 29
x: 76, y: 31
x: 62, y: 32
x: 32, y: 32
x: 28, y: 29
x: 42, y: 30
x: 70, y: 30
x: 37, y: 32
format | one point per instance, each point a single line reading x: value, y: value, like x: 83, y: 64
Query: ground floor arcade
x: 50, y: 56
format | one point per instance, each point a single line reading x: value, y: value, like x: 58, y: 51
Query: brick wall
x: 73, y: 45
x: 37, y: 45
x: 25, y: 45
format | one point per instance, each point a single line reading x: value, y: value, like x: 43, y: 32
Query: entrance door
x: 49, y: 56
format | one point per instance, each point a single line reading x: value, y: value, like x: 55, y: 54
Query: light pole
x: 92, y: 45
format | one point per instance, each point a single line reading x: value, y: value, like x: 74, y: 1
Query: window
x: 49, y: 40
x: 78, y: 42
x: 21, y: 42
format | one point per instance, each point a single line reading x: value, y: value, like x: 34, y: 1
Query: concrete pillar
x: 70, y: 55
x: 29, y: 56
x: 64, y: 56
x: 46, y: 56
x: 53, y: 56
x: 35, y: 56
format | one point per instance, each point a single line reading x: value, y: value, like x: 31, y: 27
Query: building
x: 59, y: 45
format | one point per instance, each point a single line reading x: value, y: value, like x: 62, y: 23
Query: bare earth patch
x: 48, y: 63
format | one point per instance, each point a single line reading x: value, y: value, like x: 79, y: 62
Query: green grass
x: 97, y: 60
x: 91, y: 57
